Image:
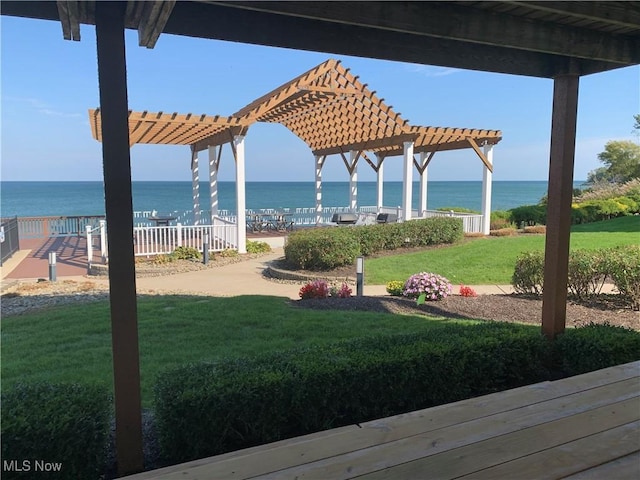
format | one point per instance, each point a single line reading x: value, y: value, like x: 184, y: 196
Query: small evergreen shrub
x: 595, y: 346
x: 623, y: 267
x: 57, y: 423
x: 186, y: 253
x: 229, y: 253
x: 395, y: 288
x: 528, y: 275
x: 258, y: 247
x: 427, y: 286
x: 587, y: 273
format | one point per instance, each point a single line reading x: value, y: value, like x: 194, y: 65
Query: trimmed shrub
x: 587, y: 272
x: 457, y: 210
x: 595, y: 346
x: 207, y: 409
x: 57, y: 423
x: 186, y: 253
x: 395, y: 288
x: 322, y: 248
x: 535, y: 229
x: 528, y: 275
x: 328, y: 248
x: 529, y: 215
x: 258, y: 247
x: 623, y: 267
x: 503, y: 232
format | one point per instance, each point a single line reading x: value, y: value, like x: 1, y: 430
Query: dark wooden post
x: 556, y: 264
x: 112, y: 76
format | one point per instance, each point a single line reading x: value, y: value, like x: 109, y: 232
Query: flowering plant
x: 427, y: 286
x: 315, y: 289
x: 467, y: 291
x: 344, y: 291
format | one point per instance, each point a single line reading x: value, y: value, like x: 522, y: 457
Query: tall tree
x: 622, y: 162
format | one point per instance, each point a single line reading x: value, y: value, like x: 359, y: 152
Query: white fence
x: 150, y: 241
x: 471, y: 222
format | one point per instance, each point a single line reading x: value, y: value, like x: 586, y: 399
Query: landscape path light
x: 359, y: 276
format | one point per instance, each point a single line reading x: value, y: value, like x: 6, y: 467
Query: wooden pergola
x: 334, y: 114
x: 557, y: 40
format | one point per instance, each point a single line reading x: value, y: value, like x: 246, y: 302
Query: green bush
x: 258, y: 247
x: 528, y: 275
x: 596, y: 346
x: 63, y: 423
x: 457, y: 210
x: 206, y: 409
x: 186, y: 253
x: 587, y: 272
x: 322, y: 248
x: 623, y: 267
x: 529, y: 215
x: 327, y: 248
x: 395, y: 288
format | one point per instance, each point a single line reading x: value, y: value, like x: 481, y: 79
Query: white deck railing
x: 471, y: 222
x: 164, y: 240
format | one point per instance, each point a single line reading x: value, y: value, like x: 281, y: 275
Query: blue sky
x: 48, y: 85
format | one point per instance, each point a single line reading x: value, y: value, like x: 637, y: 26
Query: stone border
x: 288, y: 275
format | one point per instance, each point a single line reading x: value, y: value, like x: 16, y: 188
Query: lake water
x: 87, y: 198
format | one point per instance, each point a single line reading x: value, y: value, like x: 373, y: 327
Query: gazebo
x: 334, y: 114
x: 561, y: 41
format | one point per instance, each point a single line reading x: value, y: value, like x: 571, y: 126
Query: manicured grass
x: 73, y: 343
x: 481, y: 261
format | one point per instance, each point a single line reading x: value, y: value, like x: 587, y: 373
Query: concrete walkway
x: 243, y: 278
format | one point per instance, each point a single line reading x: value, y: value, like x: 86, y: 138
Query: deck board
x: 519, y: 432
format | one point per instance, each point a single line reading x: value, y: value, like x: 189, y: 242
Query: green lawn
x: 73, y: 343
x: 491, y: 260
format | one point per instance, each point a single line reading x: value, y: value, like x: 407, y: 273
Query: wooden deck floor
x: 583, y: 427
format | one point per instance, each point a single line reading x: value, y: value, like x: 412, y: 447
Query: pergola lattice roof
x: 327, y: 107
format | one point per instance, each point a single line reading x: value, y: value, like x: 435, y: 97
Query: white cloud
x: 430, y: 71
x: 43, y: 107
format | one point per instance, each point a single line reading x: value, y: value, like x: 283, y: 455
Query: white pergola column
x: 195, y: 187
x: 353, y: 180
x: 407, y: 181
x: 241, y: 202
x: 319, y: 164
x: 380, y: 183
x: 214, y: 163
x: 423, y: 183
x: 487, y: 177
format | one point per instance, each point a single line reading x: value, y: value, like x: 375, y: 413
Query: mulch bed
x: 508, y: 308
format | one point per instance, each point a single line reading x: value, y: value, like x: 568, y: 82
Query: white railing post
x: 179, y: 234
x: 89, y: 249
x: 104, y: 252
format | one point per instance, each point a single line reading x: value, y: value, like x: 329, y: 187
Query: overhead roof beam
x: 594, y: 11
x: 265, y: 28
x: 457, y: 22
x: 152, y: 22
x: 70, y: 19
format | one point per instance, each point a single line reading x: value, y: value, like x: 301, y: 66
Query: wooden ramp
x: 583, y: 427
